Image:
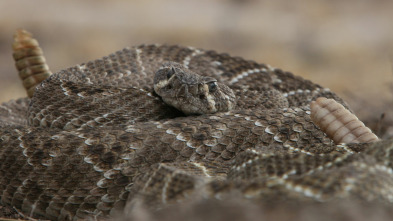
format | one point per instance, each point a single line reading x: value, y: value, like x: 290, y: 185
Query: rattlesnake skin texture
x: 95, y: 140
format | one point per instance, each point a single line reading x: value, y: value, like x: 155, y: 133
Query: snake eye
x: 212, y: 86
x: 170, y: 73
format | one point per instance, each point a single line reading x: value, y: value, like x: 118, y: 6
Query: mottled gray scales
x: 97, y: 137
x: 74, y: 106
x: 14, y: 112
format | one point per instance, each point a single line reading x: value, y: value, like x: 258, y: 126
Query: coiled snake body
x: 97, y: 136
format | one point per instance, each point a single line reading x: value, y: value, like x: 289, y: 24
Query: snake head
x: 190, y: 92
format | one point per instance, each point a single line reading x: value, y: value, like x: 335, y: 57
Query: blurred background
x: 343, y: 45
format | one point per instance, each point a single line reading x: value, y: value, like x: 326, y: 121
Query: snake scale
x: 96, y: 140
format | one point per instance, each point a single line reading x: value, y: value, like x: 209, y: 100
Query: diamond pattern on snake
x: 161, y: 125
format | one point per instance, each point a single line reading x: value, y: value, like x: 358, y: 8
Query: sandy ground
x: 343, y: 45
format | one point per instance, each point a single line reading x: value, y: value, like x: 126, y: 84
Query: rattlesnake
x: 98, y: 138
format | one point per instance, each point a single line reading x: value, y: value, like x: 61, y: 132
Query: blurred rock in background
x: 343, y: 45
